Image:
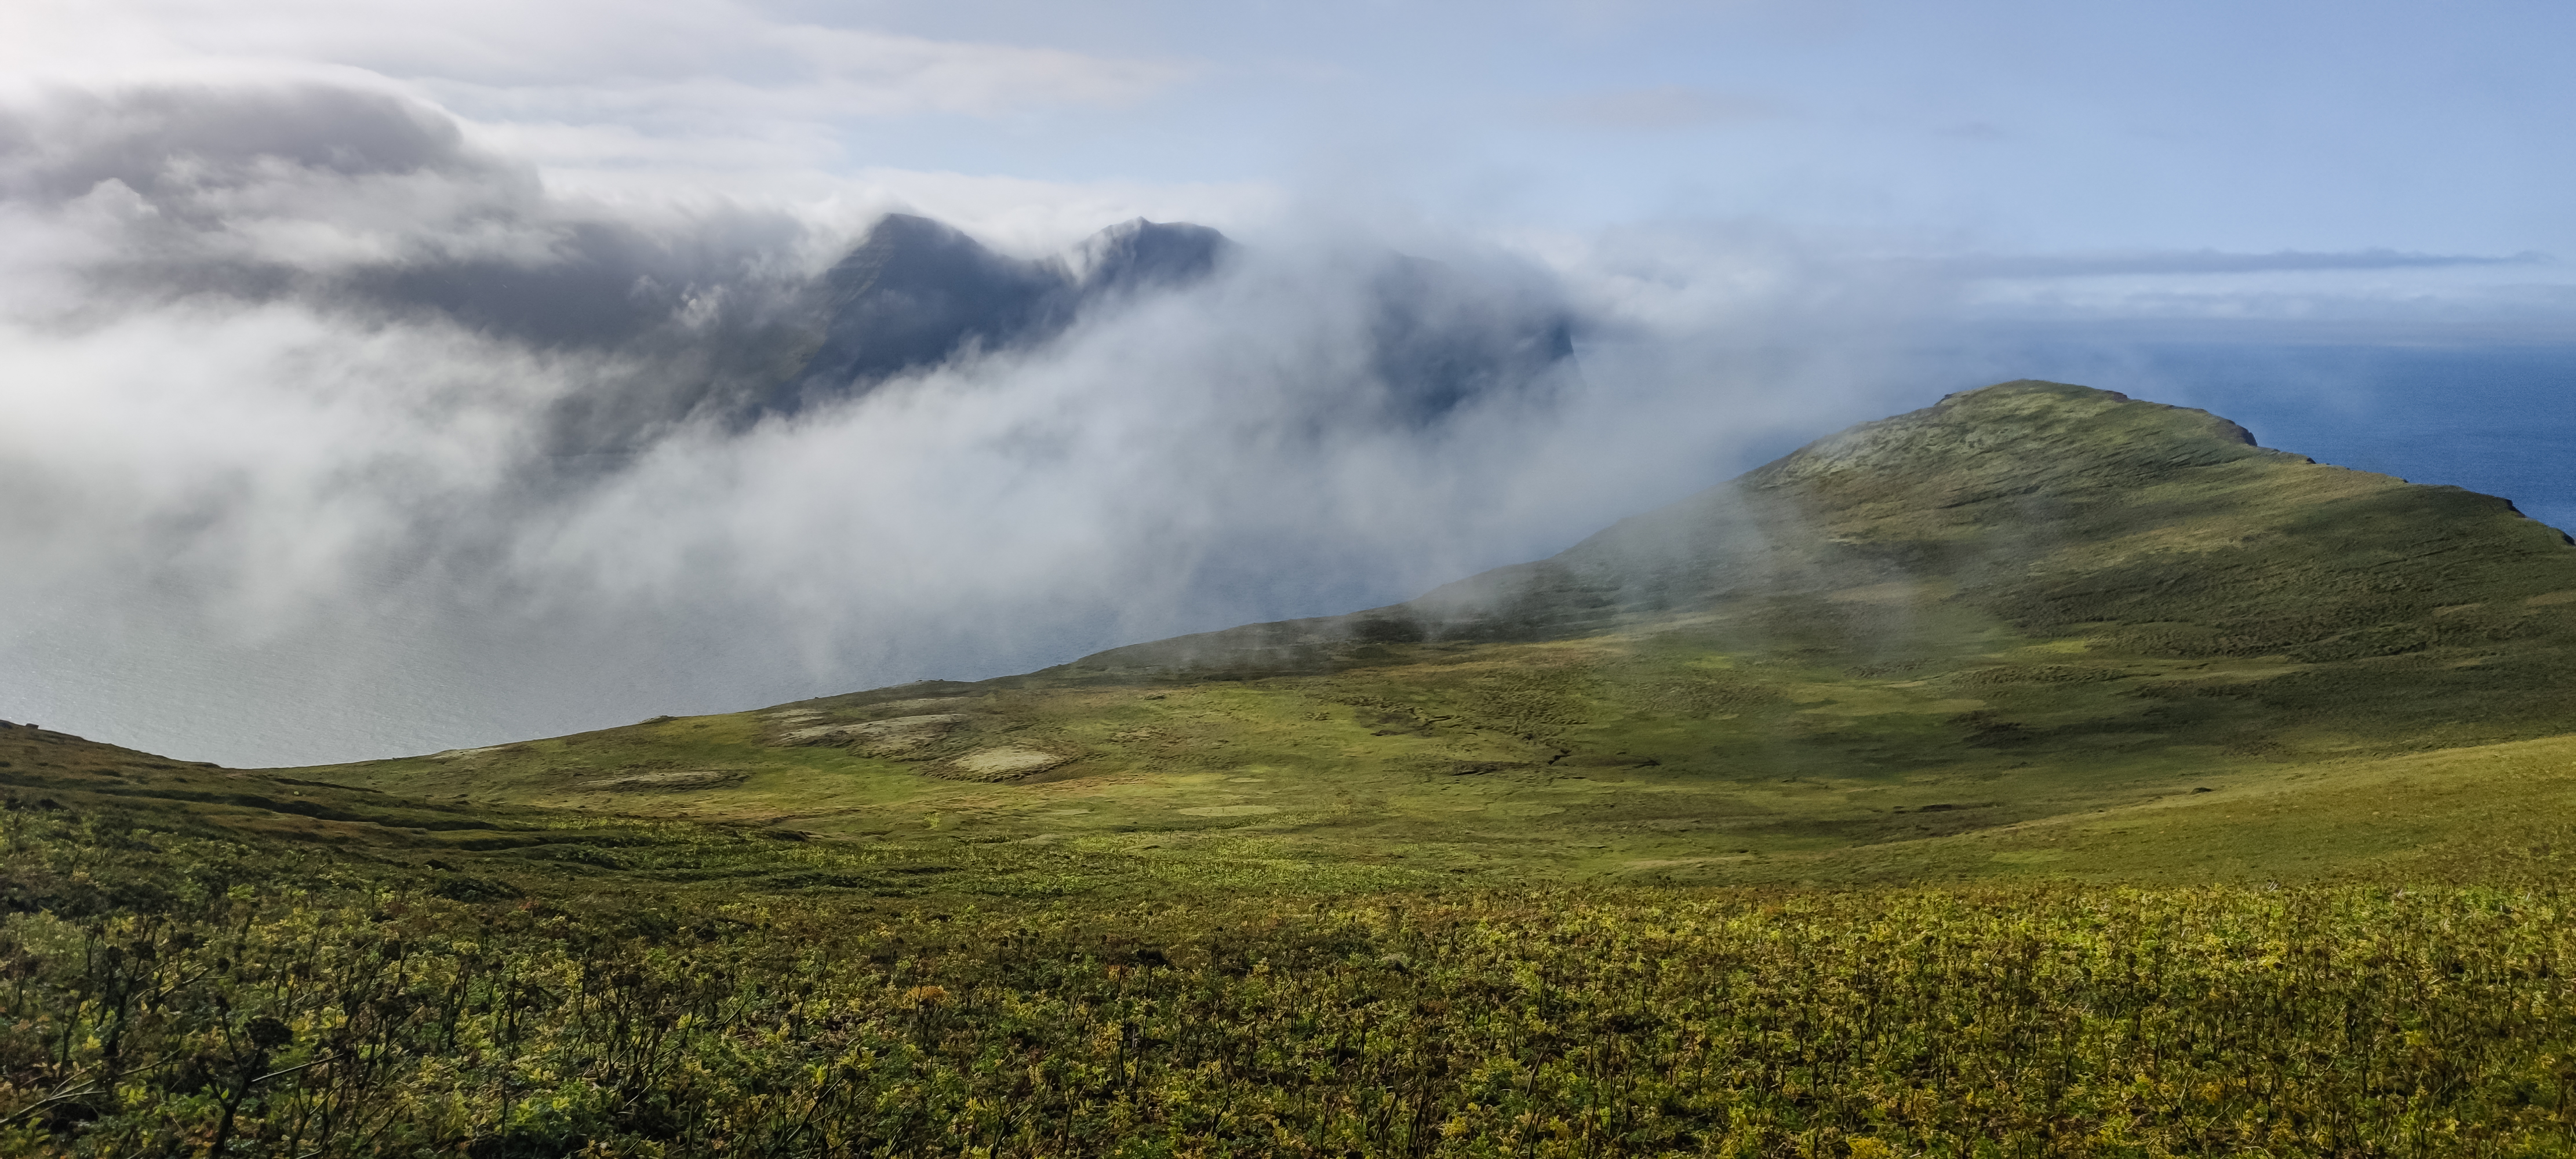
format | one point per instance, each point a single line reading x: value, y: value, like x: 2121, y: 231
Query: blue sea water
x: 2497, y: 419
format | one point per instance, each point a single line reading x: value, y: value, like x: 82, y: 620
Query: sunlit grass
x: 167, y: 995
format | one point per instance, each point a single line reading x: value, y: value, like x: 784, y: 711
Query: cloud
x: 2353, y: 296
x: 690, y: 86
x: 335, y: 429
x: 720, y: 53
x: 374, y: 369
x: 2151, y: 262
x: 1658, y: 107
x: 335, y: 433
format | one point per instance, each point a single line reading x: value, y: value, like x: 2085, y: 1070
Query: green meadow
x: 2042, y: 773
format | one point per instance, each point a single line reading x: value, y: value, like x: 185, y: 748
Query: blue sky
x: 2012, y: 125
x: 1996, y: 126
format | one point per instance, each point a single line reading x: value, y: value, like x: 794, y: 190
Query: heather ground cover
x: 175, y: 994
x: 2040, y: 774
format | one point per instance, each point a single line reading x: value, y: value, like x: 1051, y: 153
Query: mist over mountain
x: 319, y: 394
x: 2051, y: 508
x: 191, y: 193
x: 915, y: 294
x: 997, y: 577
x: 339, y: 426
x: 2030, y: 604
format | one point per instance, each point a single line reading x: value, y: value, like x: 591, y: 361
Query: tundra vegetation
x: 2043, y: 773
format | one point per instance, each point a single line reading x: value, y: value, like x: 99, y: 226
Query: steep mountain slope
x: 913, y: 293
x: 2028, y: 604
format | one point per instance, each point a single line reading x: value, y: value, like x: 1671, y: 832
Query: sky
x: 270, y: 502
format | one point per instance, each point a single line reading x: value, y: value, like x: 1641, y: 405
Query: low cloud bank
x: 332, y: 436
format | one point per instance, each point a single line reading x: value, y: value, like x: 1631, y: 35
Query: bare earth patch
x: 881, y: 738
x: 919, y: 706
x: 1005, y: 762
x: 678, y: 779
x: 1230, y: 810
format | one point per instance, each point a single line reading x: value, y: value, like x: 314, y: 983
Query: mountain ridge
x: 915, y: 293
x: 1637, y: 562
x: 2032, y: 629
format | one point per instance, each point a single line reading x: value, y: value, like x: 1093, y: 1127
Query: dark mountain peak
x: 899, y: 228
x: 906, y: 253
x: 1141, y: 253
x: 1440, y: 336
x: 915, y: 293
x: 913, y: 269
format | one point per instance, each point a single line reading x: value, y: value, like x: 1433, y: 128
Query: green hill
x: 1912, y: 648
x: 2175, y: 796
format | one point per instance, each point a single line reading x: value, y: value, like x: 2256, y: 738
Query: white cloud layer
x: 703, y: 88
x: 360, y: 363
x: 715, y: 60
x: 300, y: 467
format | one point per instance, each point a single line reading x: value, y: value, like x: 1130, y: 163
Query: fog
x: 332, y: 427
x: 331, y: 435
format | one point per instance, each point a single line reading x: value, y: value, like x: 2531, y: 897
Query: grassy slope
x: 2010, y: 634
x: 1824, y: 674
